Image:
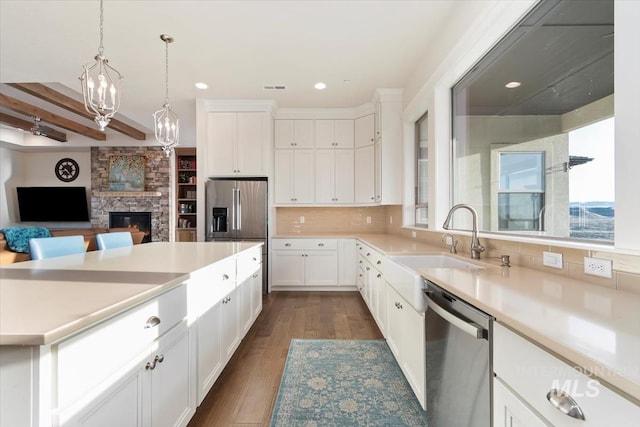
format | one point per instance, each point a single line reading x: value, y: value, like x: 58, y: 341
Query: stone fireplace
x: 154, y: 199
x: 139, y: 220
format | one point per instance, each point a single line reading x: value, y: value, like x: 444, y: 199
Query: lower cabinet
x: 405, y: 334
x: 536, y: 388
x: 155, y: 390
x: 304, y: 264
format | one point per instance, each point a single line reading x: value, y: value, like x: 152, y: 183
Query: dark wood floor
x: 246, y: 391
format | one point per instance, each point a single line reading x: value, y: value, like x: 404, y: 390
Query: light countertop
x: 45, y: 300
x: 592, y: 327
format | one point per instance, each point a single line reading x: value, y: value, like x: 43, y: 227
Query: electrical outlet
x: 414, y: 234
x: 301, y: 220
x: 598, y: 267
x: 552, y: 259
x: 368, y: 220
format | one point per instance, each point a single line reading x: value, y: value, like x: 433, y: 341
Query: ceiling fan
x: 40, y: 130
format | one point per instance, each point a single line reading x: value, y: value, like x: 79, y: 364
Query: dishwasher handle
x: 472, y: 329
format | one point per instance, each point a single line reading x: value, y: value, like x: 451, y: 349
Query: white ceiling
x: 236, y: 47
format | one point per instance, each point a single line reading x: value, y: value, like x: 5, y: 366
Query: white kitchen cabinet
x: 304, y: 264
x: 347, y: 262
x: 538, y: 378
x: 294, y: 176
x: 210, y: 355
x: 294, y: 133
x: 134, y: 369
x: 334, y: 176
x: 256, y: 294
x: 388, y: 151
x: 170, y: 396
x: 364, y: 175
x: 406, y: 338
x: 510, y: 411
x: 364, y: 131
x: 236, y: 143
x: 334, y: 133
x: 230, y: 324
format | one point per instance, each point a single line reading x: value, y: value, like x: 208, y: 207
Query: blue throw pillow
x: 18, y: 237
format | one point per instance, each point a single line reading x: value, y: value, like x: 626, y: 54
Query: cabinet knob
x: 320, y: 244
x: 152, y: 322
x: 379, y: 262
x: 150, y: 366
x: 379, y: 275
x: 287, y: 244
x: 368, y: 253
x: 225, y: 277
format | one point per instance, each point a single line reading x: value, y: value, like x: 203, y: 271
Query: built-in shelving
x: 186, y: 194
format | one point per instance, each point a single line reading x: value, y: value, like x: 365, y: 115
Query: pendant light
x: 166, y: 121
x: 101, y: 86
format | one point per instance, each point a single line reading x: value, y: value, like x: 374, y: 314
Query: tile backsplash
x: 388, y: 219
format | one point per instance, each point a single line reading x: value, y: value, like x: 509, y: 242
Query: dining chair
x: 118, y: 239
x: 49, y: 247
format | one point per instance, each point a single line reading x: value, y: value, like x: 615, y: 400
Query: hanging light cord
x: 166, y: 66
x: 101, y: 48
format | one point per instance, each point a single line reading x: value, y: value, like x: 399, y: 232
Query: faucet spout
x: 476, y: 247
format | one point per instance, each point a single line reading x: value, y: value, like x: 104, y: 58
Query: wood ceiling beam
x: 27, y: 125
x: 63, y: 101
x: 31, y: 110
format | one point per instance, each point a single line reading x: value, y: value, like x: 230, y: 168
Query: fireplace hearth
x: 141, y: 220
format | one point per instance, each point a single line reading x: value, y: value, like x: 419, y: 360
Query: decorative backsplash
x: 155, y: 195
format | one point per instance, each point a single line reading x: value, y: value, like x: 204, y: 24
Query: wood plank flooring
x: 245, y: 392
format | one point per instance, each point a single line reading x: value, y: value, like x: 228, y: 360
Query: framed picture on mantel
x: 126, y: 173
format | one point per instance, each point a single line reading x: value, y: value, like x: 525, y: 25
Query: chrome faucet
x: 476, y: 247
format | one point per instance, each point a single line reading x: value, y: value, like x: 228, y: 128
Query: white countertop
x: 46, y: 300
x: 592, y: 327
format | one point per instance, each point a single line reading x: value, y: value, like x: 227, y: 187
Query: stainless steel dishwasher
x: 458, y: 361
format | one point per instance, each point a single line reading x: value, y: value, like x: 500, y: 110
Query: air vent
x: 274, y: 87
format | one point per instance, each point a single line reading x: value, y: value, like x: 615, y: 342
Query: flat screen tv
x: 64, y: 204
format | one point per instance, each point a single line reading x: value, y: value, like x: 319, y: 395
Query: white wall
x: 36, y: 169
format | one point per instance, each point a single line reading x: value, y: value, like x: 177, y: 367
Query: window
x: 532, y: 126
x: 422, y: 169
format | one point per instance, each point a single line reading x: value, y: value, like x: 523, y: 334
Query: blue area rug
x: 344, y: 383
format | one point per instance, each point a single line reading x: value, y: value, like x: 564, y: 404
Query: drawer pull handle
x: 150, y: 366
x: 320, y: 244
x: 565, y: 404
x: 225, y: 277
x: 287, y: 244
x: 152, y: 322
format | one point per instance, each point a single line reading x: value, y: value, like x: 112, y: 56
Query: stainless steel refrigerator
x: 236, y: 209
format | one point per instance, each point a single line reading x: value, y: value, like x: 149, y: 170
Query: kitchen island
x: 111, y: 336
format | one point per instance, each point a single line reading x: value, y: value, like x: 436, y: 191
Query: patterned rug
x: 344, y: 383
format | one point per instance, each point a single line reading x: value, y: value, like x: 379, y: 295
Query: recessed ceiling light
x: 201, y: 85
x: 513, y: 85
x: 320, y: 85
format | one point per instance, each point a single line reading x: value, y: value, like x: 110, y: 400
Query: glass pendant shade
x: 166, y: 121
x: 101, y: 86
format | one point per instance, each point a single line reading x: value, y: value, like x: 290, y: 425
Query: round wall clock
x: 67, y: 170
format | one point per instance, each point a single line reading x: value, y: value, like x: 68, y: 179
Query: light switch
x: 552, y: 259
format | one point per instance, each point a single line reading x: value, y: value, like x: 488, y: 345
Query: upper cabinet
x: 236, y: 143
x: 364, y: 163
x: 365, y: 131
x: 294, y: 133
x: 388, y: 134
x: 334, y: 133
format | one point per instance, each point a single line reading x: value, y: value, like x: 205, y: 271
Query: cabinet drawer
x: 93, y: 356
x: 304, y: 244
x: 248, y: 262
x: 210, y: 284
x: 532, y: 373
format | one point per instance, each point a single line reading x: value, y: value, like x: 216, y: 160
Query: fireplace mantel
x: 127, y: 193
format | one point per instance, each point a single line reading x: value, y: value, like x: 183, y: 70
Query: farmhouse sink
x: 415, y: 262
x: 401, y: 274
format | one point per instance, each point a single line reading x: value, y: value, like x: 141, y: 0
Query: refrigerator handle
x: 233, y: 209
x: 238, y: 211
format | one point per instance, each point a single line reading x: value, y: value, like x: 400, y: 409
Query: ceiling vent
x: 274, y: 87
